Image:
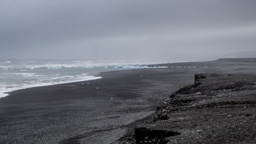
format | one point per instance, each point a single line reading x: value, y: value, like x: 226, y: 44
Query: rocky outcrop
x: 218, y: 108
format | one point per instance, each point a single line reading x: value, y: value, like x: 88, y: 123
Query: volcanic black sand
x: 107, y: 110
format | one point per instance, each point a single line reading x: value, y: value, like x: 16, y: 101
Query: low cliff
x: 218, y: 108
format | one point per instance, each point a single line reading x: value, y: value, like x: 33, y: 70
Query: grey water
x: 20, y: 74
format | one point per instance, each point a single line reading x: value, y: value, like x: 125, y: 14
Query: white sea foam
x: 24, y: 74
x: 62, y: 77
x: 6, y: 89
x: 31, y: 65
x: 139, y: 67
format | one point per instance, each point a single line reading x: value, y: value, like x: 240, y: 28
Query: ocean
x: 21, y: 74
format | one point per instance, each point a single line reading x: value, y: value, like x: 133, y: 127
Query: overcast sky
x: 160, y: 30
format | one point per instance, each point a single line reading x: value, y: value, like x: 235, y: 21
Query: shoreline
x: 8, y: 92
x: 110, y: 104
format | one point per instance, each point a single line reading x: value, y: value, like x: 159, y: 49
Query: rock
x: 198, y: 93
x: 144, y: 135
x: 199, y: 77
x: 163, y: 116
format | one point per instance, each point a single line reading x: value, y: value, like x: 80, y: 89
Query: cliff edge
x: 218, y: 108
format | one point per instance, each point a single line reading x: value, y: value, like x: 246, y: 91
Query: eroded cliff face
x: 218, y: 108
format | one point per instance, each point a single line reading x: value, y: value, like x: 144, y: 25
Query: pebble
x: 198, y: 93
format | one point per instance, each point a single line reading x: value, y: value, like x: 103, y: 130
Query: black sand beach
x: 101, y: 111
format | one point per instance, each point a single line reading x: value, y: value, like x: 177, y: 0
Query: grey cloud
x: 175, y: 30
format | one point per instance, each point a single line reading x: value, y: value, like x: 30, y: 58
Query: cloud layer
x: 164, y: 30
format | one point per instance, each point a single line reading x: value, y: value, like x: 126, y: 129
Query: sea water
x: 21, y: 74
